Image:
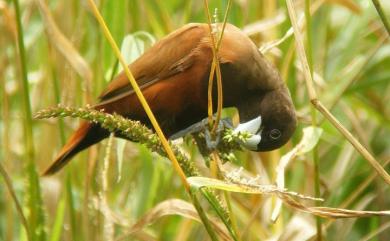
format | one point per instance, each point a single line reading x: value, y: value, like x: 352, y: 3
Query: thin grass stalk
x: 68, y: 192
x: 360, y: 188
x: 219, y: 97
x: 233, y: 219
x: 357, y: 193
x: 219, y: 76
x: 85, y: 222
x: 301, y: 50
x: 374, y: 234
x: 71, y: 206
x: 68, y: 183
x: 317, y: 183
x: 69, y: 202
x: 151, y: 117
x: 8, y: 184
x: 272, y: 44
x: 57, y: 95
x: 187, y: 11
x: 108, y: 225
x: 56, y: 230
x: 203, y: 216
x: 233, y: 222
x: 224, y: 24
x: 167, y: 20
x: 89, y: 231
x: 359, y: 147
x: 320, y: 107
x: 245, y: 232
x: 313, y: 115
x: 61, y: 124
x: 36, y: 217
x: 309, y: 36
x: 151, y: 16
x: 217, y: 206
x: 382, y: 15
x: 114, y: 70
x: 25, y: 88
x: 210, y: 94
x: 369, y: 57
x: 215, y: 65
x: 5, y: 141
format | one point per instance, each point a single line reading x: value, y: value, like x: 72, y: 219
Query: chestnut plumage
x: 173, y: 75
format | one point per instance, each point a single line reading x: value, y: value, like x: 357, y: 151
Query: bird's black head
x: 278, y: 120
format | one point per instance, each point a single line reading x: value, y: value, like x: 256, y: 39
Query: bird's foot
x: 212, y: 139
x: 206, y: 139
x: 202, y: 126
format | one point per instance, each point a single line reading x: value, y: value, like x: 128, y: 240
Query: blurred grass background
x: 69, y: 62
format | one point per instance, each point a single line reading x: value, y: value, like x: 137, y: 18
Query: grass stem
x: 36, y: 216
x: 382, y: 15
x: 19, y: 209
x: 309, y: 45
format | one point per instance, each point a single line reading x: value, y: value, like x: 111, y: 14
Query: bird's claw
x: 211, y: 142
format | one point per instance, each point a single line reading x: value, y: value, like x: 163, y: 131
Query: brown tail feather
x: 86, y: 135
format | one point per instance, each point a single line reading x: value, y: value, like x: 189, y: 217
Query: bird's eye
x: 275, y: 134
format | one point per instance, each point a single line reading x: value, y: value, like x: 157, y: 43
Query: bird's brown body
x: 173, y: 75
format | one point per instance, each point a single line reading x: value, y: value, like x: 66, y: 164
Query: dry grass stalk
x: 320, y: 107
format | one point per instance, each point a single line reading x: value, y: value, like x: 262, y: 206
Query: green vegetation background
x: 352, y: 75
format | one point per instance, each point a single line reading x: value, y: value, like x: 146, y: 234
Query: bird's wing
x: 170, y: 56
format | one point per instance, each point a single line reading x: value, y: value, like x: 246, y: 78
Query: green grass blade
x: 58, y: 221
x: 36, y: 216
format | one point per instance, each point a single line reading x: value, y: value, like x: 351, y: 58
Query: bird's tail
x: 86, y: 135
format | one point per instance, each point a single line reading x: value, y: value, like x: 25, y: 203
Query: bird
x: 173, y: 75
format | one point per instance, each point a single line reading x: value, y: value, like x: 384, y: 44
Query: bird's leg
x: 202, y: 135
x: 204, y: 140
x: 192, y: 129
x: 213, y: 141
x: 202, y: 126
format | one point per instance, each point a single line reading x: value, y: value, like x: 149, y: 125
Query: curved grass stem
x: 215, y: 66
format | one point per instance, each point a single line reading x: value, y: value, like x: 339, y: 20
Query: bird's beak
x: 253, y: 127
